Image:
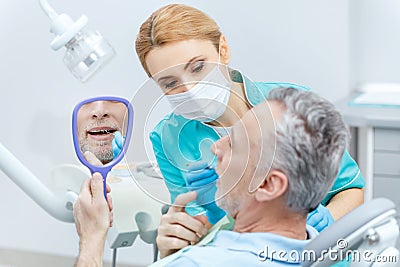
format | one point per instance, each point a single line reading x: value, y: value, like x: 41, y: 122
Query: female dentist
x: 176, y: 41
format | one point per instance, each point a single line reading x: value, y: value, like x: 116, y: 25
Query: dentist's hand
x: 177, y: 228
x: 117, y: 144
x: 320, y: 218
x: 93, y: 217
x: 202, y: 178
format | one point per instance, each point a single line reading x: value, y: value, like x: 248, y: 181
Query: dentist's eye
x: 170, y: 85
x: 198, y: 66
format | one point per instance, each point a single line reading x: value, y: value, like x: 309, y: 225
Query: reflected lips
x: 101, y: 133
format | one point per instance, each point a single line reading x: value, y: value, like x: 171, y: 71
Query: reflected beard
x: 102, y: 151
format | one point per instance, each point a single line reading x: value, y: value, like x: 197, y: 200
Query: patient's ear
x: 273, y: 186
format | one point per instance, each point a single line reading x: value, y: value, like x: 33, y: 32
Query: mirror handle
x: 104, y: 172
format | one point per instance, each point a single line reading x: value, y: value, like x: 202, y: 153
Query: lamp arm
x: 33, y: 187
x: 51, y: 13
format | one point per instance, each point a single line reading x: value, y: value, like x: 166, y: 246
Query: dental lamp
x: 87, y: 51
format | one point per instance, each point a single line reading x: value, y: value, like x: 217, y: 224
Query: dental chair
x: 367, y: 234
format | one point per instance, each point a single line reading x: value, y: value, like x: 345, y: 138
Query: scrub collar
x: 252, y: 92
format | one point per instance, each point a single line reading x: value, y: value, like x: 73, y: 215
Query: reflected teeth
x: 99, y: 132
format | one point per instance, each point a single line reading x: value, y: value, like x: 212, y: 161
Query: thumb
x: 92, y: 159
x: 182, y: 200
x: 96, y: 186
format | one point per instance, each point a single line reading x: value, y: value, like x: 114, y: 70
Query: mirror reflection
x: 101, y: 127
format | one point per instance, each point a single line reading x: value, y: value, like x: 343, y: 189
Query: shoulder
x: 183, y: 261
x: 265, y: 87
x: 169, y: 121
x: 257, y: 92
x: 161, y: 124
x: 176, y: 125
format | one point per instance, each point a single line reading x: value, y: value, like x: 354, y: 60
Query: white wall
x: 304, y: 42
x: 375, y: 41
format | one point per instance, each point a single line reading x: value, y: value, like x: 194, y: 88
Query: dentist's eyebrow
x: 164, y: 78
x: 190, y: 62
x: 185, y: 68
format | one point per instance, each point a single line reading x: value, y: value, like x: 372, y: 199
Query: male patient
x: 277, y: 165
x: 98, y: 122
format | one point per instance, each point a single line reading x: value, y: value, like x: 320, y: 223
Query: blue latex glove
x: 117, y: 144
x: 320, y: 218
x: 202, y: 178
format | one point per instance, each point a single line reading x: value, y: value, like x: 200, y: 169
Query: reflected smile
x: 101, y: 133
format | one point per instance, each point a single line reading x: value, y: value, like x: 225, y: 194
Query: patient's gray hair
x: 311, y: 138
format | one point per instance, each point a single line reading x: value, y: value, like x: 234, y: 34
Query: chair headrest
x: 349, y: 223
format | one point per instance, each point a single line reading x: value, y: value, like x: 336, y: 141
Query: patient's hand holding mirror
x: 101, y: 129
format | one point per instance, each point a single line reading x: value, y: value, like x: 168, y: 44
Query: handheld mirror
x: 101, y: 129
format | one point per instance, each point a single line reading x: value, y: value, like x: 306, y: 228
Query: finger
x: 111, y: 218
x: 199, y: 175
x: 185, y: 220
x: 198, y: 166
x: 169, y: 243
x: 179, y: 231
x: 311, y: 214
x: 108, y: 188
x: 85, y: 190
x: 314, y: 219
x: 92, y: 159
x: 206, y: 181
x: 96, y: 185
x: 201, y: 218
x: 85, y: 185
x: 109, y: 202
x: 181, y: 201
x: 321, y: 225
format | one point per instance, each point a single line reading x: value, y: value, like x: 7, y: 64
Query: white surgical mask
x: 205, y: 101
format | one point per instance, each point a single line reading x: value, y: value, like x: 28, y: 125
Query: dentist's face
x: 97, y: 122
x: 182, y: 62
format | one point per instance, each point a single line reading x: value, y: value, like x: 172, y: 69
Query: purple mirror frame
x: 105, y: 169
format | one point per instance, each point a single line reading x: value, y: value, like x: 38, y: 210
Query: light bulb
x: 86, y: 51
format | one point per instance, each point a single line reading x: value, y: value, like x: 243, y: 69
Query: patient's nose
x: 99, y: 110
x: 219, y: 146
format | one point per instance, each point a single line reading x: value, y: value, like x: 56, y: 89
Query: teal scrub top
x: 179, y: 142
